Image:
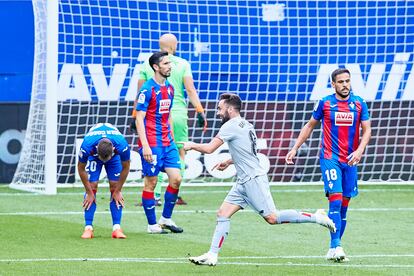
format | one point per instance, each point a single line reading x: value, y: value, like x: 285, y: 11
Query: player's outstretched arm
x: 83, y: 174
x: 303, y: 136
x: 195, y: 101
x: 214, y: 144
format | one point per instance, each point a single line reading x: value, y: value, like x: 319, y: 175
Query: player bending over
x: 105, y: 146
x: 252, y: 186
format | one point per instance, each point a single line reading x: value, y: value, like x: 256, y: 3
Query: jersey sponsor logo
x: 344, y: 118
x: 103, y: 133
x: 164, y: 106
x: 141, y: 98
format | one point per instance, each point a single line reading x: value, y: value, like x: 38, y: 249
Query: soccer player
x: 342, y: 115
x: 252, y: 186
x: 181, y: 77
x: 105, y: 146
x: 156, y: 145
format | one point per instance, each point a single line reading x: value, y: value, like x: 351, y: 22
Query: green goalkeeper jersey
x: 180, y: 69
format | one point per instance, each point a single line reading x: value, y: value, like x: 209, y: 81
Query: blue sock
x: 116, y: 213
x: 344, y: 210
x: 89, y: 214
x: 148, y: 202
x: 170, y: 198
x: 335, y: 215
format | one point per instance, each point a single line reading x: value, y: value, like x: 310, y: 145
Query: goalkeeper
x: 181, y: 78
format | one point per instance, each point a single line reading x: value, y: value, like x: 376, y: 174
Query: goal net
x: 277, y: 55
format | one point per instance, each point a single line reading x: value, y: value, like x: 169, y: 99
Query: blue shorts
x: 164, y: 157
x: 339, y: 178
x: 113, y: 168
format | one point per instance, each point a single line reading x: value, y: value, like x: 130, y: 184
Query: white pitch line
x: 321, y: 265
x: 138, y: 192
x: 61, y: 213
x: 184, y: 261
x: 318, y: 257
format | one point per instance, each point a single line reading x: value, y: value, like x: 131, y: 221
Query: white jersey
x: 241, y: 138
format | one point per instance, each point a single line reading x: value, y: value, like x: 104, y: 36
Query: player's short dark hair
x: 339, y: 71
x: 156, y: 57
x: 232, y: 99
x: 105, y: 149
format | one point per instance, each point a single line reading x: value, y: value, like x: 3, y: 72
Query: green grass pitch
x: 41, y: 235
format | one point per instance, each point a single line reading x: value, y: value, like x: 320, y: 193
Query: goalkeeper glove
x: 202, y: 120
x: 133, y: 126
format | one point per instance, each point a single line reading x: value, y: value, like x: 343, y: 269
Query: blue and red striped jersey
x: 341, y: 122
x: 156, y: 100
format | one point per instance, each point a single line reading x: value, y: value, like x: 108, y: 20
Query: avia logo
x: 369, y: 86
x: 73, y: 84
x: 344, y: 118
x: 165, y: 106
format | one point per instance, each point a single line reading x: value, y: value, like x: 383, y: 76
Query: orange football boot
x: 118, y: 234
x: 87, y: 234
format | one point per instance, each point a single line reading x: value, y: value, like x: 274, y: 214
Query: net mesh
x: 276, y: 55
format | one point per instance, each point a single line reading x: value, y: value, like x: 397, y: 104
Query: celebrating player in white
x: 252, y: 186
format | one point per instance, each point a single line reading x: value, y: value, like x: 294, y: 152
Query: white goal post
x: 277, y: 55
x: 37, y: 168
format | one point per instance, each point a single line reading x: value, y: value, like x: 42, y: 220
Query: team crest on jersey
x: 165, y: 106
x: 344, y: 118
x: 141, y: 98
x: 352, y: 105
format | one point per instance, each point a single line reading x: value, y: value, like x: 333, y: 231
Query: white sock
x: 293, y: 216
x: 220, y: 234
x: 116, y: 227
x: 88, y: 227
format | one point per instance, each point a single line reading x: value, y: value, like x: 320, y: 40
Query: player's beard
x: 342, y: 95
x: 165, y: 75
x: 225, y: 118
